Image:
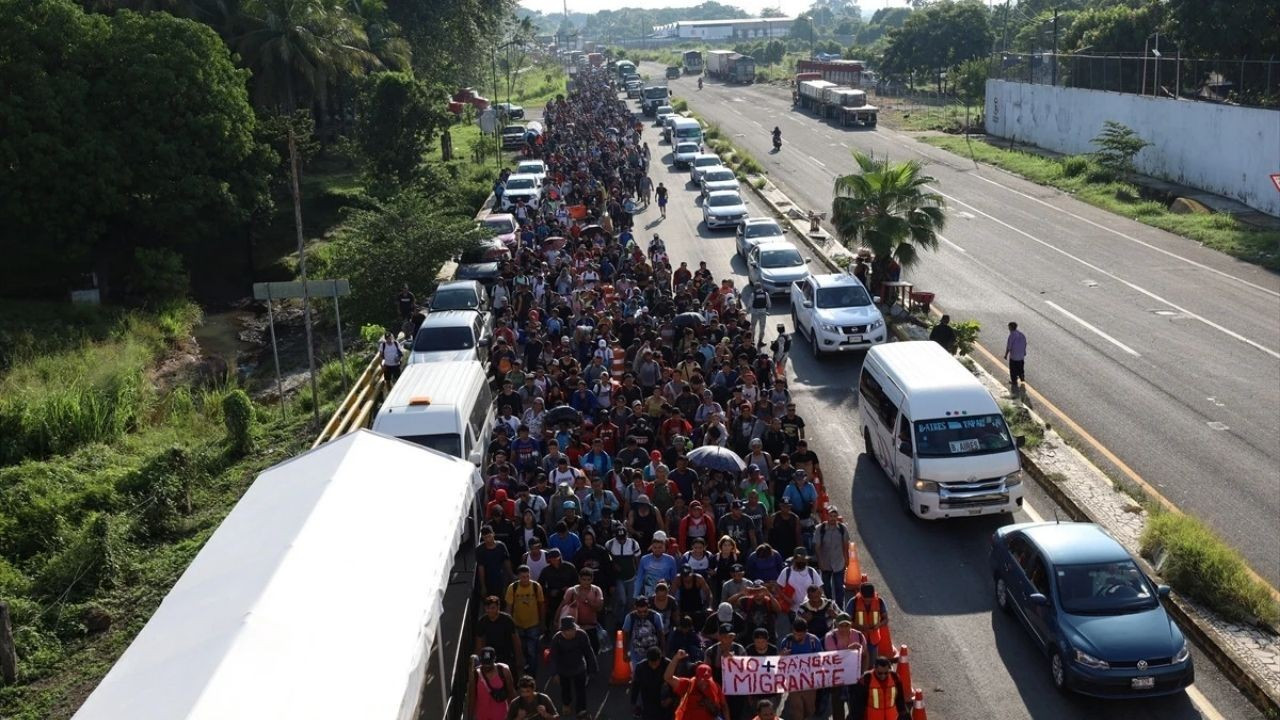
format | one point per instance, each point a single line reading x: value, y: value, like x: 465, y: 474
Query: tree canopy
x: 117, y: 132
x: 940, y: 36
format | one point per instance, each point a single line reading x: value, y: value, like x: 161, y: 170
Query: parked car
x: 512, y: 137
x: 701, y: 162
x: 522, y: 187
x: 510, y: 111
x: 673, y: 72
x: 451, y: 335
x: 683, y: 153
x: 757, y: 230
x: 837, y: 314
x: 634, y: 87
x: 775, y: 265
x: 722, y: 209
x: 1090, y: 608
x: 473, y: 265
x: 662, y: 113
x: 459, y: 295
x: 532, y: 167
x: 502, y: 227
x: 718, y: 178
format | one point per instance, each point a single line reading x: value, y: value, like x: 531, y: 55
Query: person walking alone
x: 761, y: 303
x: 391, y: 354
x: 661, y: 193
x: 944, y: 334
x: 1015, y: 351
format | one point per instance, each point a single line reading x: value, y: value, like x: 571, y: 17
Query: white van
x: 446, y: 406
x: 685, y: 129
x: 937, y: 432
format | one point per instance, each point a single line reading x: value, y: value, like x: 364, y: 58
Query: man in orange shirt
x: 700, y: 696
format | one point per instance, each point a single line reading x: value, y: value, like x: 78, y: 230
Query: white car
x: 837, y: 313
x: 532, y: 167
x: 663, y: 112
x: 684, y: 153
x: 753, y: 231
x: 775, y: 265
x: 451, y: 335
x: 718, y: 178
x: 702, y: 162
x: 522, y: 187
x: 723, y: 209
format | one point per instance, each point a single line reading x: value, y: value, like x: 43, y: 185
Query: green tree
x: 1112, y: 29
x: 970, y: 80
x: 940, y: 36
x: 1117, y: 145
x: 772, y: 12
x: 1226, y: 29
x: 397, y: 117
x: 117, y: 132
x: 887, y: 208
x: 403, y: 240
x: 296, y: 49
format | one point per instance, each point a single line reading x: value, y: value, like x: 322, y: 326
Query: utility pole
x: 1054, y: 72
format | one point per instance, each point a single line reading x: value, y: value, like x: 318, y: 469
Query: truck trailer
x: 841, y: 72
x: 848, y: 106
x: 809, y: 94
x: 693, y: 62
x: 730, y: 66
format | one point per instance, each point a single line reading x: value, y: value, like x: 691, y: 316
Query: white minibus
x: 446, y: 406
x: 937, y: 433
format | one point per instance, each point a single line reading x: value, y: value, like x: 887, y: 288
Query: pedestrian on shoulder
x: 1015, y: 351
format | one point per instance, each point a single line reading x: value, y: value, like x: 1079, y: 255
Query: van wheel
x: 871, y: 449
x: 906, y: 497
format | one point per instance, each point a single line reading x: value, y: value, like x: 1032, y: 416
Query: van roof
x: 938, y: 385
x: 685, y: 122
x: 446, y: 383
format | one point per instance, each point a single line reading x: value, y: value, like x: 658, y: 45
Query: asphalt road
x: 1166, y: 352
x: 972, y: 662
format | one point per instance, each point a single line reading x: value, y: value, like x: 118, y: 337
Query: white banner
x: 771, y: 674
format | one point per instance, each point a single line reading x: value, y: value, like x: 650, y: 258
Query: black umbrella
x: 563, y: 414
x: 714, y: 457
x: 689, y: 319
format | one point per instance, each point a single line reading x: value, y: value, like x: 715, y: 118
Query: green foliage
x: 1199, y: 564
x: 942, y: 35
x: 100, y: 160
x: 680, y: 106
x: 970, y: 80
x: 237, y: 415
x: 161, y: 490
x: 1021, y: 424
x: 405, y: 239
x: 1107, y: 29
x: 1226, y: 29
x: 372, y: 333
x: 396, y: 119
x: 886, y: 207
x: 157, y: 275
x: 95, y: 556
x: 1117, y: 146
x: 966, y: 335
x: 1075, y: 165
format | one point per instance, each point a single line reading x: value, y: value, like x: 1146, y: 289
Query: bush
x: 237, y: 414
x: 966, y: 335
x: 1099, y: 173
x: 680, y: 106
x: 96, y: 556
x: 157, y: 275
x: 1206, y: 569
x: 1117, y: 146
x: 1075, y: 165
x: 1022, y: 424
x: 162, y: 487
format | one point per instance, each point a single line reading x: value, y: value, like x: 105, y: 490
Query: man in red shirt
x: 700, y: 696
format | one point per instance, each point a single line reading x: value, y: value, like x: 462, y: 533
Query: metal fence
x: 1243, y: 82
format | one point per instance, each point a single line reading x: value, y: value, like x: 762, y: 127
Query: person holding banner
x: 726, y: 647
x: 845, y: 637
x: 761, y: 647
x: 700, y: 696
x: 801, y: 704
x: 871, y: 617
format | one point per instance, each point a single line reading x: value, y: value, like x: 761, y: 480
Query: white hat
x: 602, y: 343
x: 660, y: 536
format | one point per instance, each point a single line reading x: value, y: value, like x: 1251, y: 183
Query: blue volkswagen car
x: 1091, y: 609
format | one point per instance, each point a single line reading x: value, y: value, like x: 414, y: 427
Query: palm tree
x: 296, y: 50
x: 888, y: 208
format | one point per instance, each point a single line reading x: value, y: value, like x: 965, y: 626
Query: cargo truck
x: 848, y: 106
x: 693, y: 62
x: 730, y: 66
x: 596, y: 59
x: 651, y: 97
x: 809, y: 94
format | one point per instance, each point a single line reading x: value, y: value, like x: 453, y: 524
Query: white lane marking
x: 1130, y: 238
x: 1202, y: 704
x: 753, y: 122
x: 1095, y: 330
x: 1031, y: 512
x: 1113, y: 276
x: 817, y: 161
x: 957, y: 247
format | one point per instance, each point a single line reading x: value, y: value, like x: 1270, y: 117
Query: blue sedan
x: 1091, y: 609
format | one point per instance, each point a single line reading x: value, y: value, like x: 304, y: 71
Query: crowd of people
x: 648, y: 471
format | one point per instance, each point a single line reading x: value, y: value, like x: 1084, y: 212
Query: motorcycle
x: 699, y: 83
x: 777, y: 142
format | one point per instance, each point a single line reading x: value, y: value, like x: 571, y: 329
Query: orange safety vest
x: 882, y: 698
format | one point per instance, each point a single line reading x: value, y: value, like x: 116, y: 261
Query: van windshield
x: 431, y: 339
x: 964, y: 436
x: 447, y: 443
x: 689, y: 132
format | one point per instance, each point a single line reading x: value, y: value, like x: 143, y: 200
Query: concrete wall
x: 1227, y: 150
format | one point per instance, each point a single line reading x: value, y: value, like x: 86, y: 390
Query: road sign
x: 488, y: 120
x: 1275, y: 180
x: 293, y: 290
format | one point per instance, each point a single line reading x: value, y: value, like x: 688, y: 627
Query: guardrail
x: 357, y: 408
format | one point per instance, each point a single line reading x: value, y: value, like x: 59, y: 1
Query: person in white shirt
x: 391, y: 354
x: 798, y: 576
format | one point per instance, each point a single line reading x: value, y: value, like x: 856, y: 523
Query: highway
x: 972, y: 662
x: 1166, y: 352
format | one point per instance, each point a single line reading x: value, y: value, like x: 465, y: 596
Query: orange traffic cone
x: 853, y: 569
x: 904, y: 666
x: 917, y: 706
x: 621, y: 668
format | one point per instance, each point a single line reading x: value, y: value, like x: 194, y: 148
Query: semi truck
x: 842, y: 72
x: 731, y: 66
x: 693, y: 62
x: 809, y: 94
x: 848, y: 106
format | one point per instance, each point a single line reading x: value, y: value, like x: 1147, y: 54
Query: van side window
x: 878, y: 401
x: 480, y: 411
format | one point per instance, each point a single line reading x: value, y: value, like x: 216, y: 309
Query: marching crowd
x: 648, y: 471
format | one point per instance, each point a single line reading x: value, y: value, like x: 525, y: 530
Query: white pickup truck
x: 836, y: 313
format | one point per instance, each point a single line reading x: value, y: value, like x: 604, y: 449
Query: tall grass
x: 95, y: 392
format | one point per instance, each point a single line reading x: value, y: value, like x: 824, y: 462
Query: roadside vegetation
x: 743, y: 163
x: 1089, y: 181
x: 1199, y: 564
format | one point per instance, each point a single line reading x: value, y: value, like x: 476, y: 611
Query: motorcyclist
x: 699, y: 83
x: 777, y: 136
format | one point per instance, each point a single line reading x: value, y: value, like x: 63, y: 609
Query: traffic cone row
x: 853, y: 568
x: 621, y: 668
x: 904, y: 666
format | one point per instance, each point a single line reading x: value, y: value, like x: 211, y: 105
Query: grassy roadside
x: 921, y: 118
x: 742, y: 162
x: 1079, y: 177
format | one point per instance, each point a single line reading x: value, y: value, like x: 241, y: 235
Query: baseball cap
x: 659, y: 536
x: 553, y: 552
x: 686, y: 570
x: 569, y: 505
x: 726, y: 629
x: 488, y: 656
